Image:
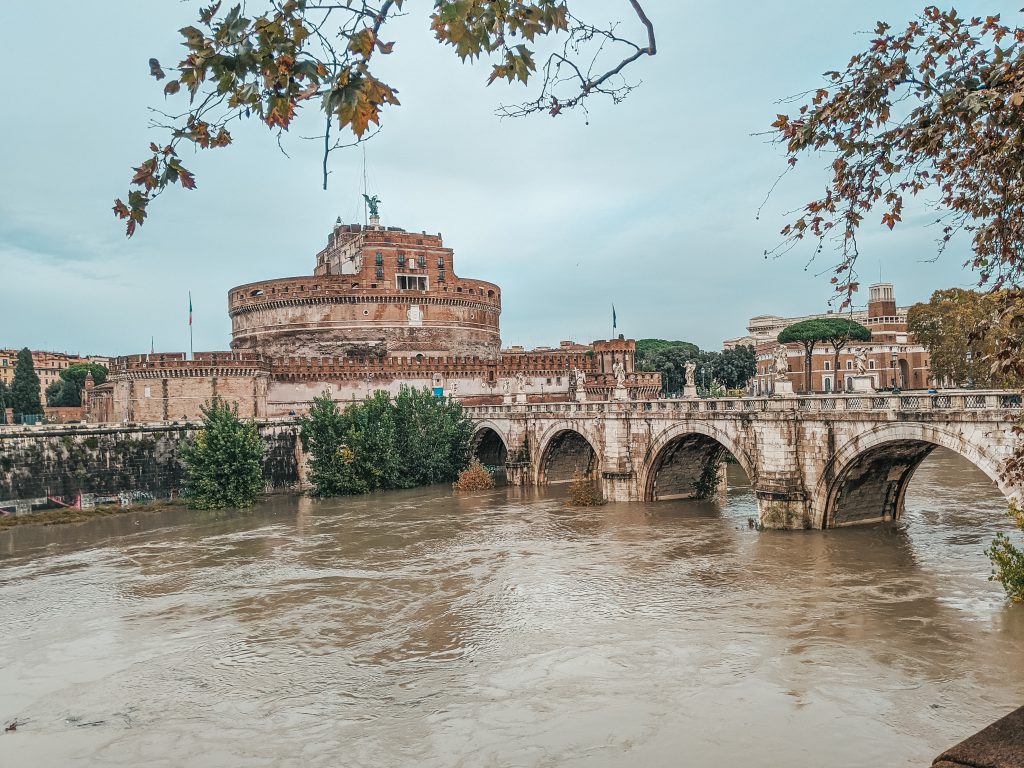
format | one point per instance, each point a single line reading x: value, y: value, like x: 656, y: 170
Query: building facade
x: 892, y: 357
x: 384, y: 308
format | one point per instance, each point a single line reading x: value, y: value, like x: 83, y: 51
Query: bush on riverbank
x: 583, y: 492
x: 1007, y: 560
x: 475, y: 477
x: 380, y: 444
x: 223, y: 462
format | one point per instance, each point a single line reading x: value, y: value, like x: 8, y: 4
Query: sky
x: 650, y: 204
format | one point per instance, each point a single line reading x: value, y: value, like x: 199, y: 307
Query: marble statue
x: 781, y: 364
x: 861, y: 357
x: 691, y: 373
x: 619, y: 372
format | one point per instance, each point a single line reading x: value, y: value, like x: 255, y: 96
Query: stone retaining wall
x: 65, y: 462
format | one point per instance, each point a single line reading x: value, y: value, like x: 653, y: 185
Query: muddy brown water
x: 501, y: 629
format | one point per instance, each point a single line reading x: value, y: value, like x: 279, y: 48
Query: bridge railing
x: 946, y: 400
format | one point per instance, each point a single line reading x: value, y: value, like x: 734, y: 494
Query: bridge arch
x: 866, y: 480
x: 681, y: 454
x: 563, y: 450
x: 489, y: 444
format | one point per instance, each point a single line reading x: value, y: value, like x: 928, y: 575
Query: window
x: 380, y: 272
x: 849, y: 365
x: 871, y: 364
x: 401, y: 259
x: 440, y: 276
x: 828, y: 366
x: 422, y: 261
x: 411, y: 282
x: 380, y: 259
x: 440, y: 261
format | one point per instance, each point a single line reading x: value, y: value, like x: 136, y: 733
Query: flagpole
x: 191, y: 351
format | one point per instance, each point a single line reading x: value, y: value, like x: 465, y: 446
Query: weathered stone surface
x: 68, y: 461
x: 1001, y: 745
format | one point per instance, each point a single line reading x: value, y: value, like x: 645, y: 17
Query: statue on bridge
x: 691, y: 373
x: 579, y: 378
x: 781, y: 364
x: 861, y: 357
x: 619, y: 372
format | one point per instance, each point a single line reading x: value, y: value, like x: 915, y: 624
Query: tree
x: 936, y: 108
x: 268, y: 65
x: 223, y: 462
x: 418, y: 439
x: 5, y: 399
x: 836, y: 331
x: 434, y: 435
x: 841, y: 331
x: 68, y: 391
x: 957, y: 328
x: 25, y: 387
x: 647, y: 348
x: 734, y: 367
x: 321, y: 432
x: 671, y: 362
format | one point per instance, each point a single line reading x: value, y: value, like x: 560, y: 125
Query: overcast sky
x: 651, y: 206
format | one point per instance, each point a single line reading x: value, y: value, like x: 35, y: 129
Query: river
x: 424, y: 629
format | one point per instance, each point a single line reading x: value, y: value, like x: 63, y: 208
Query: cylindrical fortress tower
x: 375, y: 292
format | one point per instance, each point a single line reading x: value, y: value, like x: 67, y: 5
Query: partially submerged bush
x: 474, y: 478
x: 583, y: 492
x: 1007, y: 560
x: 224, y: 461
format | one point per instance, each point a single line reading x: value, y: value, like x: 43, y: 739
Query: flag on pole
x: 190, y: 307
x: 614, y: 319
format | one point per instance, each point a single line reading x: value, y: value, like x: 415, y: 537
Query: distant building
x: 48, y: 366
x: 892, y: 356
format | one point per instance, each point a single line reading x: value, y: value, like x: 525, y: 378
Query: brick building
x: 383, y: 308
x: 892, y: 355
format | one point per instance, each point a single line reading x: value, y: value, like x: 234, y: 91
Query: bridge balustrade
x: 951, y: 401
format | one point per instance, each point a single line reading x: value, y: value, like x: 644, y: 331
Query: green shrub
x: 380, y: 444
x: 223, y: 462
x: 1007, y: 560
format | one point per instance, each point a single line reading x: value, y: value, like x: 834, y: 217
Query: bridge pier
x: 619, y: 486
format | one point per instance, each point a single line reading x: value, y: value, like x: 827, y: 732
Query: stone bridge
x: 821, y: 461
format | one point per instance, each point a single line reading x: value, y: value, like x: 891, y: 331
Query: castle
x: 383, y: 308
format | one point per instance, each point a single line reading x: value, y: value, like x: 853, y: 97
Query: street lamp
x: 970, y: 380
x: 895, y: 382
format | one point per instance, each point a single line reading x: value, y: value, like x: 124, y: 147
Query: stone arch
x: 489, y: 445
x: 867, y: 478
x: 685, y: 450
x: 563, y: 450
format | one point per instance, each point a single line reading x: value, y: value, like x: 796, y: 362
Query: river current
x: 425, y: 628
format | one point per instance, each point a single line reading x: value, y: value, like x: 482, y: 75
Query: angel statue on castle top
x: 373, y: 203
